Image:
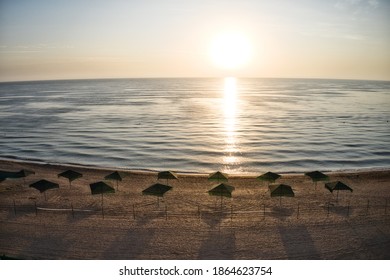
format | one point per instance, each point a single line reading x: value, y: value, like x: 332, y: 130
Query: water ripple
x: 234, y: 125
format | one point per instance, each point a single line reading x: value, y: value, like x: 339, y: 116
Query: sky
x: 73, y: 39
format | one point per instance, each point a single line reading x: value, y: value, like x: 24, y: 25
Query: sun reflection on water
x: 230, y: 122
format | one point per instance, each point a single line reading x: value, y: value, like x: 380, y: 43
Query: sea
x: 201, y: 125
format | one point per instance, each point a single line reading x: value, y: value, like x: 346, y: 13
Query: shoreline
x: 146, y: 170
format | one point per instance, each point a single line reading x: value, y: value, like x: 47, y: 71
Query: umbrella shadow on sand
x: 131, y: 244
x: 45, y: 239
x: 213, y: 218
x: 150, y: 216
x: 298, y: 243
x: 281, y: 212
x: 341, y: 210
x: 218, y: 246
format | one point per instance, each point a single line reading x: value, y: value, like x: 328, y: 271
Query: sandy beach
x: 188, y: 223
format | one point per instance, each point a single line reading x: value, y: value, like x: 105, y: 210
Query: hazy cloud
x: 373, y: 3
x: 33, y: 48
x: 356, y: 4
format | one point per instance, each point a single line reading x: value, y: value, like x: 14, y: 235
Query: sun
x: 230, y: 50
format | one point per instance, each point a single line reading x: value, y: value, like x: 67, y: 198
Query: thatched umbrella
x: 167, y: 175
x: 281, y: 190
x: 218, y: 176
x: 15, y: 175
x: 222, y: 190
x: 43, y: 186
x: 24, y: 173
x: 270, y: 177
x: 157, y: 190
x: 317, y: 176
x: 101, y: 188
x: 337, y: 186
x: 70, y: 175
x: 114, y: 176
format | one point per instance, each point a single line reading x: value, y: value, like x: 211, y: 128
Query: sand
x: 187, y: 223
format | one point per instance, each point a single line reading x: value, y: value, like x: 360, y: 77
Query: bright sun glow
x: 230, y: 50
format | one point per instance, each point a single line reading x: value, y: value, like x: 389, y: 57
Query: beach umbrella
x: 222, y: 190
x: 43, y: 186
x: 281, y: 190
x: 337, y: 186
x: 15, y: 175
x: 218, y: 176
x: 167, y: 175
x: 23, y: 174
x: 114, y: 176
x: 317, y: 176
x: 70, y: 175
x: 5, y: 174
x: 101, y: 188
x: 157, y: 190
x: 269, y: 177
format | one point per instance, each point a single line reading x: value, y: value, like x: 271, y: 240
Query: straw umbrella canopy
x: 43, y: 186
x: 337, y: 186
x: 23, y: 174
x: 270, y: 177
x: 281, y: 190
x: 15, y: 175
x: 157, y: 190
x: 101, y: 188
x: 70, y: 175
x: 218, y: 176
x: 5, y: 174
x: 167, y: 175
x: 222, y: 190
x: 317, y: 176
x: 115, y: 176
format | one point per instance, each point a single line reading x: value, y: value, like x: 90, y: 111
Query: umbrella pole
x: 280, y: 201
x: 14, y: 208
x: 102, y: 207
x: 44, y: 194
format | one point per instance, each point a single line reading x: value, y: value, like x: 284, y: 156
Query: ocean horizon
x: 236, y: 125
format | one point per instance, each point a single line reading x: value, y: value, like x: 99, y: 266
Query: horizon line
x: 189, y: 77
